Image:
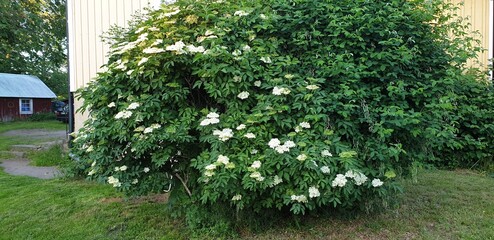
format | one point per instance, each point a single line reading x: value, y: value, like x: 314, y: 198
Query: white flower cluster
x: 301, y: 157
x: 299, y: 198
x: 170, y: 13
x: 151, y: 128
x: 241, y: 126
x: 123, y: 114
x: 241, y: 13
x: 314, y: 192
x: 153, y: 50
x: 142, y: 61
x: 243, y: 95
x: 276, y: 145
x: 224, y: 134
x: 250, y: 135
x: 211, y: 118
x: 114, y: 181
x: 325, y: 170
x: 237, y: 197
x: 326, y: 153
x: 257, y: 176
x: 257, y: 83
x: 301, y: 126
x: 146, y: 170
x: 312, y: 87
x: 177, y: 47
x: 339, y: 181
x: 266, y: 60
x: 122, y: 168
x: 223, y: 160
x: 276, y: 180
x: 359, y: 177
x: 133, y: 106
x: 281, y: 90
x: 112, y: 104
x: 256, y: 165
x: 377, y: 182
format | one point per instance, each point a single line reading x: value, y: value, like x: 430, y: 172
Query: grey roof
x: 23, y: 86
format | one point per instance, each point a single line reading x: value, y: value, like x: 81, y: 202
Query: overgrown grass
x: 440, y: 205
x: 53, y: 156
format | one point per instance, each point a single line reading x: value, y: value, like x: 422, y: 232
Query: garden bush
x: 280, y: 104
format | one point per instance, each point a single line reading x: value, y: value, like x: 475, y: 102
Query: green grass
x: 54, y: 156
x: 440, y: 205
x: 60, y: 209
x: 16, y: 125
x: 7, y: 141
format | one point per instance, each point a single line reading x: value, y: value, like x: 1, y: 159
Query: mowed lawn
x: 439, y: 205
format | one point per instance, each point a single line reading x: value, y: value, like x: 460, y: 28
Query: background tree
x: 33, y: 40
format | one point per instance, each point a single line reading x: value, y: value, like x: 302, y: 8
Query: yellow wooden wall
x: 87, y: 21
x: 478, y: 14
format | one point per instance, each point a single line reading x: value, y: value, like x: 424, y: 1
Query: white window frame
x: 30, y: 106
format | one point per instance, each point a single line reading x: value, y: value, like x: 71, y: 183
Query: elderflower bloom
x: 146, y: 170
x: 302, y: 157
x: 304, y: 125
x: 266, y: 59
x: 299, y: 198
x: 114, y: 181
x: 91, y: 172
x: 339, y: 181
x: 178, y: 47
x: 326, y: 153
x: 224, y: 134
x: 360, y: 179
x: 223, y: 159
x: 133, y: 106
x: 241, y: 126
x: 314, y: 192
x: 210, y: 167
x: 123, y: 168
x: 256, y: 164
x: 257, y: 176
x: 377, y: 182
x: 257, y: 83
x: 241, y: 13
x: 112, y: 104
x: 277, y: 180
x: 135, y: 181
x: 280, y: 90
x: 243, y: 95
x: 325, y: 170
x: 152, y: 50
x: 274, y: 143
x: 143, y: 60
x: 237, y: 197
x: 312, y: 87
x: 123, y: 114
x: 250, y: 135
x: 194, y: 49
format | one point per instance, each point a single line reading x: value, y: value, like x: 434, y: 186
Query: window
x: 26, y: 106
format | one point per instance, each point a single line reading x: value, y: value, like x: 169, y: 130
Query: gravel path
x: 19, y: 166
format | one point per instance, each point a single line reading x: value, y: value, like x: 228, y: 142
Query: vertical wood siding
x: 478, y: 15
x: 88, y: 20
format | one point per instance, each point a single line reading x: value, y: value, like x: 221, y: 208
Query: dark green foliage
x: 42, y: 116
x: 206, y: 95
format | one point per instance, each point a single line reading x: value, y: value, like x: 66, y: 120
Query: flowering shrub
x: 270, y: 104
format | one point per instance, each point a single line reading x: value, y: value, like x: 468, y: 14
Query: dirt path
x: 18, y: 165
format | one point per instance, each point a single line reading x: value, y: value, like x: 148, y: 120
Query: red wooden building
x: 23, y: 95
